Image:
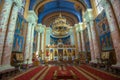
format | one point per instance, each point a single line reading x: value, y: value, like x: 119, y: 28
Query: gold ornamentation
x: 60, y: 26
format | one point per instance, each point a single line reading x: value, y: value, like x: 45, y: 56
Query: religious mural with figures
x: 65, y: 40
x: 86, y: 40
x: 103, y: 31
x: 20, y: 33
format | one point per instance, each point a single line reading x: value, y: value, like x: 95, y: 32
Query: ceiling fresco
x: 46, y: 8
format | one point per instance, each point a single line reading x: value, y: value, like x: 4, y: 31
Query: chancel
x: 59, y: 40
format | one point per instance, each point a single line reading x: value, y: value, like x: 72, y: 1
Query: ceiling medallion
x: 60, y: 26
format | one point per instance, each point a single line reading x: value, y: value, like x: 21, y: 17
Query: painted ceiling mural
x: 57, y: 6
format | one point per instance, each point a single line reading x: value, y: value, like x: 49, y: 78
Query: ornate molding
x: 81, y: 26
x: 105, y: 3
x: 41, y: 28
x: 88, y: 15
x: 32, y: 17
x: 18, y: 3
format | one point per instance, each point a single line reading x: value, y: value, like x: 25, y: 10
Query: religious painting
x: 64, y: 40
x: 60, y: 52
x: 19, y: 35
x: 35, y: 41
x: 104, y: 31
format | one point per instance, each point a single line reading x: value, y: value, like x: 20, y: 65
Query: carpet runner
x: 82, y: 72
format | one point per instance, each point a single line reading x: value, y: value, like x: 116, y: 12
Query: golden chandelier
x: 60, y: 26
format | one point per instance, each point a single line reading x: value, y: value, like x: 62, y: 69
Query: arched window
x: 98, y: 6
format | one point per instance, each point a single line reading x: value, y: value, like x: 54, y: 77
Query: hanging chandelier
x: 60, y: 27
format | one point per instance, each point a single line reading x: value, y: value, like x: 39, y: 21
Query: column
x: 78, y: 37
x: 93, y: 36
x: 97, y: 49
x: 72, y: 36
x: 4, y: 17
x: 27, y: 45
x: 31, y: 42
x: 91, y: 43
x: 6, y: 57
x: 82, y: 38
x: 116, y: 7
x: 40, y: 40
x: 115, y: 34
x: 80, y: 41
x: 76, y: 42
x: 38, y: 37
x: 31, y: 18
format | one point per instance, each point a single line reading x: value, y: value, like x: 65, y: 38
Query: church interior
x: 59, y: 40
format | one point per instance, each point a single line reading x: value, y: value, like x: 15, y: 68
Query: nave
x: 65, y: 72
x: 62, y: 35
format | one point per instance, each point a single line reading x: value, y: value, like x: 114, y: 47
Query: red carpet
x: 29, y: 74
x: 101, y: 74
x: 78, y: 74
x: 50, y: 73
x: 82, y: 72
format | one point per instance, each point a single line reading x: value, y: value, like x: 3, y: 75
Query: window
x: 98, y: 6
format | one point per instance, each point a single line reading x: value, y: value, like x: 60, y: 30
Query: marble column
x: 80, y: 41
x: 76, y: 42
x: 78, y: 38
x: 4, y: 17
x: 31, y: 42
x: 82, y: 38
x: 91, y: 43
x: 115, y: 34
x: 38, y: 38
x: 93, y: 36
x: 31, y: 18
x: 97, y: 49
x: 72, y: 37
x: 116, y: 7
x: 6, y: 57
x: 27, y: 45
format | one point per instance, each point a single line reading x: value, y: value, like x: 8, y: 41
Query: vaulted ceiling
x: 48, y: 10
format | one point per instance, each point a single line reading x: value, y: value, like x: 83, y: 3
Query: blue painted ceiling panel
x: 42, y: 15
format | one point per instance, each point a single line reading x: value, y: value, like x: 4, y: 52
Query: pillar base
x: 28, y: 62
x: 93, y: 61
x: 5, y: 67
x: 116, y: 65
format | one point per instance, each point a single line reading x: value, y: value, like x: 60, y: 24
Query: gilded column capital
x: 88, y: 15
x: 81, y: 26
x: 77, y: 27
x: 32, y: 17
x: 38, y: 28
